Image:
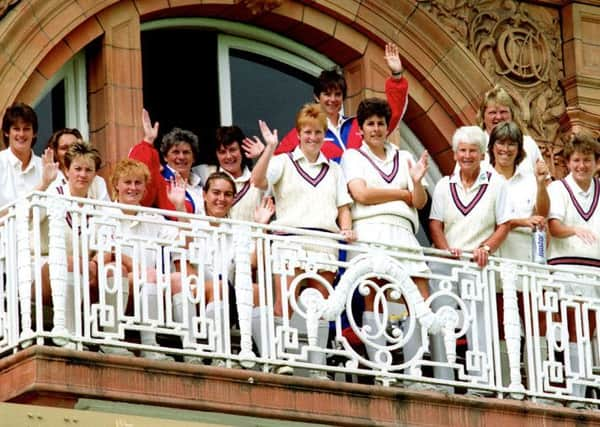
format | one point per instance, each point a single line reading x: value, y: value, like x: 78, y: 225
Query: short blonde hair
x: 128, y: 167
x: 85, y: 150
x: 496, y: 96
x: 311, y: 114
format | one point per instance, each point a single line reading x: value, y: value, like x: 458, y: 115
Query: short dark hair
x: 227, y: 135
x: 507, y: 131
x: 328, y: 80
x: 581, y: 142
x: 19, y: 111
x: 373, y: 107
x: 55, y: 137
x: 177, y: 136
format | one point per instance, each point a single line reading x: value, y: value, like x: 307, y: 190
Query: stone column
x: 115, y: 84
x: 581, y: 47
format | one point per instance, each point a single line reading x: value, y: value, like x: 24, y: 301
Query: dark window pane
x: 265, y: 89
x: 180, y: 90
x: 51, y: 115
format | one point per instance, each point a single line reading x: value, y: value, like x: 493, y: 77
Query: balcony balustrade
x: 500, y: 331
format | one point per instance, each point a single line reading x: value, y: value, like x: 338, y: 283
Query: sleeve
x: 396, y: 92
x: 343, y: 197
x: 147, y: 154
x: 438, y: 201
x: 351, y: 166
x: 100, y: 189
x: 558, y: 208
x: 503, y: 207
x: 288, y: 143
x: 275, y: 169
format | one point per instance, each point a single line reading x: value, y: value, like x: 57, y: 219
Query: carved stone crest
x: 520, y: 47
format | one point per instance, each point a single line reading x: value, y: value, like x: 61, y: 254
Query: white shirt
x: 307, y: 194
x: 391, y: 172
x: 15, y: 182
x: 470, y: 215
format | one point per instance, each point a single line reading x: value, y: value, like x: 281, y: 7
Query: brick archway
x: 445, y: 80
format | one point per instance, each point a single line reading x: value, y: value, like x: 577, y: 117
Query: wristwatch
x: 486, y: 248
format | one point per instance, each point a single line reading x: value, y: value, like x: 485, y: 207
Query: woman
x: 529, y: 205
x: 232, y: 150
x: 179, y: 149
x: 59, y: 143
x: 310, y: 192
x: 217, y: 261
x: 81, y: 162
x: 497, y: 106
x: 385, y: 184
x: 527, y: 193
x: 128, y: 184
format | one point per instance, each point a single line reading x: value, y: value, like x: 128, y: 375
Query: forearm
x: 259, y: 173
x: 396, y: 92
x: 374, y: 196
x: 419, y: 196
x: 497, y: 237
x: 560, y: 230
x: 438, y: 238
x: 344, y: 218
x: 542, y: 201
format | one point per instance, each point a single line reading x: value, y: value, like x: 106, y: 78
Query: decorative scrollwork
x: 5, y: 5
x: 520, y: 46
x: 261, y: 6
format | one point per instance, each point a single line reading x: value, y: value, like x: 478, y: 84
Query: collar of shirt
x: 577, y: 189
x: 16, y: 163
x: 193, y: 180
x: 244, y: 177
x: 390, y: 152
x: 482, y: 179
x: 297, y: 154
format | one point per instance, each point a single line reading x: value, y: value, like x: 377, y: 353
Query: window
x: 63, y: 102
x: 244, y: 74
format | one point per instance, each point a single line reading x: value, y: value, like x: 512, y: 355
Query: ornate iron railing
x: 502, y: 330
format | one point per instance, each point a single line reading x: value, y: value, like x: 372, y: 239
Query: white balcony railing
x: 517, y: 357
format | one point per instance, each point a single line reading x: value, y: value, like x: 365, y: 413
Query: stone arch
x: 446, y: 81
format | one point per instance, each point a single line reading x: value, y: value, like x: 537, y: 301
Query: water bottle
x: 538, y: 245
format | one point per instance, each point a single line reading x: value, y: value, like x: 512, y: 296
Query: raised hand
x: 264, y: 211
x: 418, y: 170
x: 49, y: 167
x: 150, y: 132
x: 270, y: 137
x: 253, y: 148
x: 392, y: 58
x: 176, y: 192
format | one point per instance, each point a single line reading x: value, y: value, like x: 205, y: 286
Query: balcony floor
x: 58, y: 377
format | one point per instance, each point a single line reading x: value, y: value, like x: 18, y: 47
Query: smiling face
x: 80, y: 175
x: 180, y: 158
x: 495, y: 113
x: 311, y: 139
x: 20, y: 138
x: 374, y: 131
x: 218, y: 197
x: 130, y: 189
x: 468, y: 157
x: 331, y: 102
x: 230, y: 158
x: 505, y: 153
x: 582, y: 167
